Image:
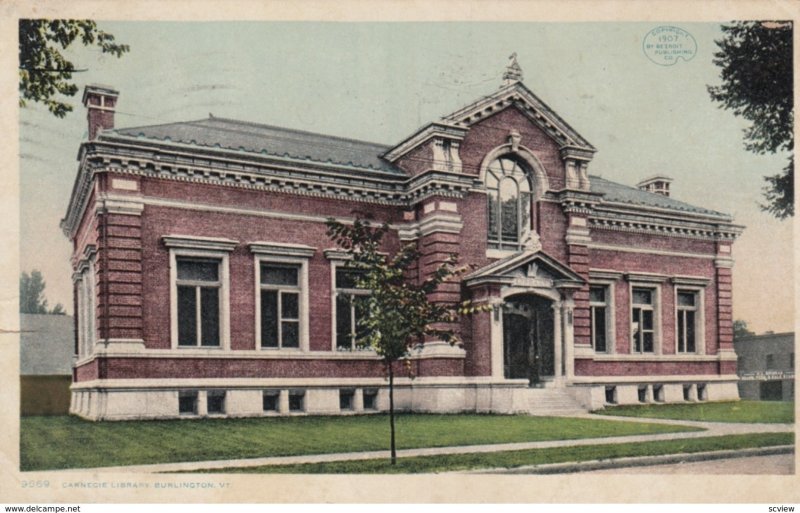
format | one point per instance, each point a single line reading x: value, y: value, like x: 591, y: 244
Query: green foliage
x: 31, y: 295
x: 755, y: 58
x: 44, y: 72
x: 728, y: 411
x: 61, y: 441
x: 740, y: 329
x: 514, y: 459
x: 397, y: 313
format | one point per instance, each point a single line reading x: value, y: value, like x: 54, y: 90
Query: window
x: 297, y: 400
x: 187, y: 402
x: 199, y: 298
x: 599, y: 317
x: 216, y: 402
x: 687, y: 392
x: 611, y: 395
x: 280, y: 305
x: 370, y: 399
x: 271, y: 400
x: 198, y: 285
x: 770, y: 361
x: 85, y: 314
x: 350, y: 308
x: 658, y: 393
x: 642, y: 319
x: 686, y: 306
x: 642, y: 393
x: 508, y: 203
x: 702, y: 392
x: 346, y: 398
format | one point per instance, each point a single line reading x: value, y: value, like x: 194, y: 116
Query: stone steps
x: 553, y: 401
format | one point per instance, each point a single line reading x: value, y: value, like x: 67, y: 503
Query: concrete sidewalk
x: 711, y: 429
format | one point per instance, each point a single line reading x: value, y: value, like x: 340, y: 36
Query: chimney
x: 100, y: 102
x: 658, y: 184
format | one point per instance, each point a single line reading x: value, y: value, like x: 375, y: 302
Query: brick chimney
x: 658, y: 184
x: 100, y: 102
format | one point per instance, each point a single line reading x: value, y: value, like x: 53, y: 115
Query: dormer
x: 434, y: 147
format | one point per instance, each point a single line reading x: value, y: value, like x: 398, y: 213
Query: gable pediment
x: 518, y: 96
x: 529, y: 268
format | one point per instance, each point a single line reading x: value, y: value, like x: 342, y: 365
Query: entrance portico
x: 531, y: 323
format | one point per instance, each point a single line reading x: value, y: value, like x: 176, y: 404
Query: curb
x: 638, y: 461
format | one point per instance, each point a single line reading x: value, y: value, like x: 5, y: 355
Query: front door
x: 528, y: 338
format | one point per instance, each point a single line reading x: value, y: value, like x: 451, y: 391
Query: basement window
x: 297, y: 400
x: 216, y: 402
x: 271, y: 400
x: 702, y: 393
x: 687, y: 392
x: 611, y: 395
x: 642, y: 392
x: 346, y: 399
x: 187, y: 402
x: 658, y: 393
x: 370, y: 399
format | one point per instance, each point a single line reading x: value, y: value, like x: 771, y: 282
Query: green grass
x: 512, y: 459
x: 69, y: 442
x: 734, y: 411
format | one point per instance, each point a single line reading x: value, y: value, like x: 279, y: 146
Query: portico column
x: 569, y: 339
x: 558, y: 354
x: 496, y: 320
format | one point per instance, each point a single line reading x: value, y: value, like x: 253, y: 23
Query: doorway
x: 528, y: 350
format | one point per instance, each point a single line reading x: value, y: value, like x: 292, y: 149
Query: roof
x: 215, y: 132
x: 46, y: 344
x: 618, y: 193
x: 782, y: 337
x: 539, y: 112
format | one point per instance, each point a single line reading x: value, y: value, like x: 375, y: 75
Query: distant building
x: 766, y: 366
x: 45, y: 361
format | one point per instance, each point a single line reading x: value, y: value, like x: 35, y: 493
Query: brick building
x: 766, y: 366
x: 205, y: 283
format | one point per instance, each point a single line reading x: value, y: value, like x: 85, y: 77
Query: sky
x: 380, y: 81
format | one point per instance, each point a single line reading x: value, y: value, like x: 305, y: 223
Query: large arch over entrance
x: 529, y: 338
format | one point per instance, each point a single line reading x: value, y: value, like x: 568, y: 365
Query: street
x: 772, y: 464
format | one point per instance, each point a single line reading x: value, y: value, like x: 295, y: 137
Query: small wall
x: 44, y: 395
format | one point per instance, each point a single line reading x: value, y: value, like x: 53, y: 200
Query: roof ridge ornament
x: 513, y: 72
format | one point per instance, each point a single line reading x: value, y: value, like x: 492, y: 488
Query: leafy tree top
x: 31, y: 295
x: 44, y: 72
x: 755, y: 59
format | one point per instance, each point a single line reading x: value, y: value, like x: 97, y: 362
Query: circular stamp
x: 667, y: 45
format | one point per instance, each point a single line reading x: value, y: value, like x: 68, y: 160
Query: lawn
x: 734, y: 411
x: 512, y: 459
x: 69, y: 442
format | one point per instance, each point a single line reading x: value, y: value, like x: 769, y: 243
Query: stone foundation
x: 192, y: 400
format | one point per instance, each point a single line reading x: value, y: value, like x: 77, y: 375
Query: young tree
x: 397, y: 314
x: 31, y: 295
x: 755, y: 58
x: 43, y: 71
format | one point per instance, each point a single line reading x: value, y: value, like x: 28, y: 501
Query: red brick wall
x: 166, y: 368
x: 592, y: 368
x: 493, y: 131
x: 418, y: 160
x: 159, y: 221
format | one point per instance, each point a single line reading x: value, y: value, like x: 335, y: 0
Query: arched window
x: 509, y: 198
